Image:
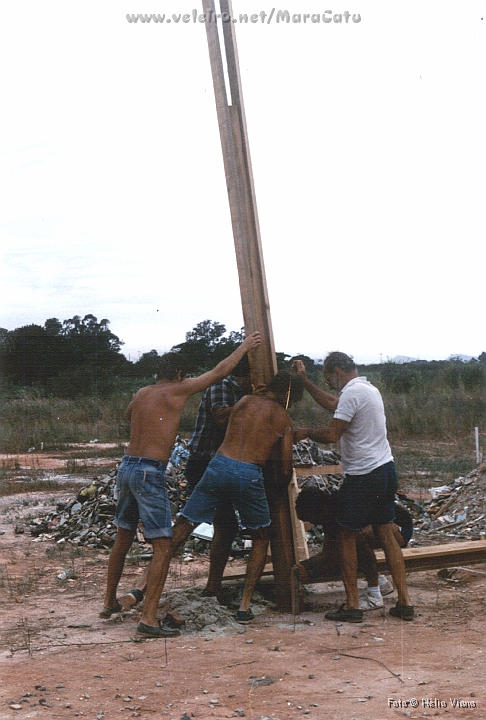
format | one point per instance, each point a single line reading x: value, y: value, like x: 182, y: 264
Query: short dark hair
x: 169, y: 366
x: 284, y: 380
x: 339, y: 360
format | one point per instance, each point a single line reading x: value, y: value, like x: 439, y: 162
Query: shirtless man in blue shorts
x: 154, y: 415
x: 259, y: 430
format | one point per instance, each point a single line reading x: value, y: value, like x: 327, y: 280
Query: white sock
x: 375, y: 591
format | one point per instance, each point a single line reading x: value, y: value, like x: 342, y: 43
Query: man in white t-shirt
x: 367, y: 494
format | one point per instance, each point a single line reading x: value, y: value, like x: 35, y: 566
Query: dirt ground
x: 58, y: 659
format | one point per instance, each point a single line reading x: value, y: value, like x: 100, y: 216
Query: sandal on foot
x: 244, y: 616
x: 404, y: 612
x: 172, y: 620
x: 108, y: 612
x: 132, y: 598
x: 160, y: 631
x: 343, y: 614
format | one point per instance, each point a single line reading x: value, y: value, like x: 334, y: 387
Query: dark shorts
x: 195, y: 468
x: 406, y: 533
x: 367, y: 499
x: 142, y: 495
x: 227, y: 480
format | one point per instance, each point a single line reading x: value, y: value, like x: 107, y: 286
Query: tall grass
x: 29, y: 419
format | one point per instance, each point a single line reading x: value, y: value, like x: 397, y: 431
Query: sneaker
x: 404, y: 612
x: 371, y: 603
x: 344, y: 615
x: 386, y: 588
x: 244, y: 616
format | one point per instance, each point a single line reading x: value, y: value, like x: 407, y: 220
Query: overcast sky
x: 368, y: 152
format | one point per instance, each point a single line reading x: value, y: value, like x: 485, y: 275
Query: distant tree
x: 38, y: 356
x: 282, y: 361
x: 308, y: 362
x: 205, y: 345
x: 146, y: 365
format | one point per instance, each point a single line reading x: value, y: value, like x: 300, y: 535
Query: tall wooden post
x: 249, y: 257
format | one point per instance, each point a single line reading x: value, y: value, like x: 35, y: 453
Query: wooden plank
x: 433, y: 557
x: 249, y: 257
x: 298, y: 530
x: 319, y: 470
x: 241, y: 192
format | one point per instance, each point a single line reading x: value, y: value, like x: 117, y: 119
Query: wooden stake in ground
x: 249, y: 257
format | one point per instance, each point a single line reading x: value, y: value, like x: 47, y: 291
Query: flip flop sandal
x: 136, y: 595
x: 108, y: 612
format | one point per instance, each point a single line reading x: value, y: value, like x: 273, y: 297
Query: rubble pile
x: 88, y: 520
x: 456, y: 511
x: 307, y: 453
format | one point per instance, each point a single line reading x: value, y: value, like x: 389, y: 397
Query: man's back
x: 257, y: 423
x: 154, y: 414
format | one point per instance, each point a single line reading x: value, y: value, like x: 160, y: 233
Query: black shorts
x: 367, y: 499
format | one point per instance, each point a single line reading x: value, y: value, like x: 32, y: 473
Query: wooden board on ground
x: 433, y: 557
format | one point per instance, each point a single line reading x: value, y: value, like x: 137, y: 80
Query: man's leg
x: 157, y: 574
x: 159, y: 567
x: 180, y: 534
x: 116, y: 562
x: 395, y: 561
x: 367, y: 561
x: 225, y: 529
x: 256, y: 563
x: 348, y: 557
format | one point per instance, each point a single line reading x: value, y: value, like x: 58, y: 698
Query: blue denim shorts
x: 142, y: 495
x: 367, y: 499
x: 227, y: 480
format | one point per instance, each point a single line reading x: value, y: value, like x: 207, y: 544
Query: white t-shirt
x: 364, y: 445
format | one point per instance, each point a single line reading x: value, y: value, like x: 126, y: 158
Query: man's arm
x: 329, y: 434
x: 189, y: 386
x: 323, y: 398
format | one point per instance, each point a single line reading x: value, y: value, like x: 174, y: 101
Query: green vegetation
x: 68, y: 382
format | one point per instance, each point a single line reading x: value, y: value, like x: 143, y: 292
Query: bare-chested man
x: 154, y: 415
x: 259, y: 430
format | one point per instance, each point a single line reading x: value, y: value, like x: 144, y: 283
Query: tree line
x: 82, y: 357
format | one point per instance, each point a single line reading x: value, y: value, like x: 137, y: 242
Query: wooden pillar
x: 249, y: 256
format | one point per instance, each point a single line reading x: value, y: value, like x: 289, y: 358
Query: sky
x: 368, y: 150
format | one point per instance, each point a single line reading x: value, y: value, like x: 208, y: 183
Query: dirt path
x: 59, y: 660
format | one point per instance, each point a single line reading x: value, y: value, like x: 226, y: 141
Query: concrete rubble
x: 88, y: 520
x: 456, y: 511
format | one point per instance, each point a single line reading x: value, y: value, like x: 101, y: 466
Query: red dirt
x: 83, y: 666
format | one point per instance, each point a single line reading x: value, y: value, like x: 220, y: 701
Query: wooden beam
x: 319, y: 470
x: 241, y: 191
x: 298, y: 530
x: 433, y: 557
x: 249, y: 257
